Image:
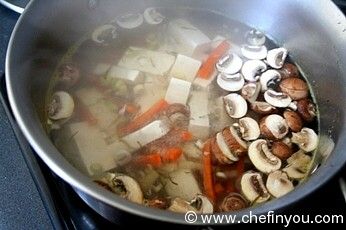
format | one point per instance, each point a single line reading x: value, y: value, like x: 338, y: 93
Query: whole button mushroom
x: 273, y: 126
x: 294, y: 87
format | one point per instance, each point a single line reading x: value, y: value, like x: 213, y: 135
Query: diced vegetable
x: 172, y: 154
x: 204, y: 83
x: 208, y: 172
x: 208, y: 67
x: 178, y: 91
x: 199, y: 122
x: 101, y: 69
x: 186, y: 135
x: 145, y: 117
x: 147, y: 134
x: 185, y: 68
x: 131, y: 76
x: 189, y: 40
x: 149, y: 159
x: 147, y: 61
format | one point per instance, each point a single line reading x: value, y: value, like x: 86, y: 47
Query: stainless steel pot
x: 313, y: 31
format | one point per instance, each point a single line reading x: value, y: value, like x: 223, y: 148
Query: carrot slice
x: 172, y: 155
x: 186, y: 135
x: 208, y: 66
x: 153, y: 159
x: 208, y: 172
x: 144, y: 118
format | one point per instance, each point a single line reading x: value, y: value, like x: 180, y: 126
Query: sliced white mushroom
x: 61, y: 106
x: 104, y: 34
x: 306, y: 139
x: 226, y: 151
x: 269, y: 77
x: 152, y: 16
x: 235, y: 105
x: 262, y: 158
x: 254, y: 52
x: 274, y: 126
x: 255, y: 38
x: 262, y: 107
x: 298, y: 165
x: 250, y: 91
x: 229, y: 64
x: 248, y: 128
x: 130, y: 21
x: 253, y: 188
x: 124, y: 186
x: 277, y: 99
x: 202, y: 204
x: 276, y: 57
x: 181, y: 206
x: 278, y: 184
x: 233, y: 202
x: 231, y: 83
x: 252, y: 69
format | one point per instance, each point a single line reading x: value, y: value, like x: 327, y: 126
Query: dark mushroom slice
x: 68, y: 75
x: 307, y: 109
x: 233, y: 202
x: 296, y: 88
x: 294, y: 121
x: 218, y: 154
x: 233, y: 139
x: 289, y: 70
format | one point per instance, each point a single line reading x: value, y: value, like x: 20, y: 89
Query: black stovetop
x: 64, y: 207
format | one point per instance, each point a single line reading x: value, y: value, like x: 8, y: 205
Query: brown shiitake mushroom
x: 281, y: 150
x: 273, y: 127
x: 307, y: 109
x: 296, y: 88
x: 294, y: 122
x: 289, y: 70
x: 233, y: 202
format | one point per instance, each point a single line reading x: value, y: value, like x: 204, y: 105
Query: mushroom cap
x: 294, y: 87
x: 306, y: 109
x: 281, y: 150
x: 294, y: 122
x: 289, y: 70
x: 277, y: 99
x: 61, y: 106
x: 263, y: 108
x: 152, y: 16
x: 249, y: 128
x: 252, y: 69
x: 270, y: 76
x: 234, y: 141
x: 306, y: 139
x: 130, y: 21
x: 250, y: 91
x: 254, y: 52
x: 233, y: 202
x: 276, y: 57
x: 226, y: 151
x: 229, y: 64
x: 252, y: 186
x: 262, y: 158
x: 274, y: 126
x: 231, y: 83
x: 298, y: 165
x: 98, y: 34
x: 278, y: 184
x: 236, y: 106
x: 202, y: 204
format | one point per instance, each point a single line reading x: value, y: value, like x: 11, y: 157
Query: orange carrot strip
x: 145, y: 117
x: 208, y: 172
x: 208, y: 66
x: 186, y: 135
x: 172, y: 155
x: 153, y: 159
x: 219, y: 188
x: 131, y: 108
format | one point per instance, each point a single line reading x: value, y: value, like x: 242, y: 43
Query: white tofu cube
x: 148, y: 61
x: 129, y: 75
x: 204, y: 83
x: 178, y: 91
x: 185, y: 68
x: 190, y: 41
x: 147, y: 134
x: 84, y: 146
x: 101, y: 69
x: 102, y: 109
x: 199, y: 122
